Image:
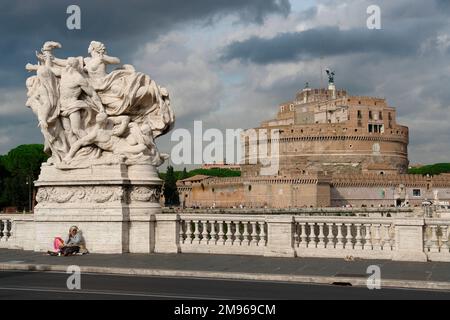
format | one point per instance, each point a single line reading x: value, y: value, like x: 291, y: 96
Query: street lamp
x: 30, y: 193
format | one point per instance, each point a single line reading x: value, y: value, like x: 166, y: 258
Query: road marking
x: 108, y: 293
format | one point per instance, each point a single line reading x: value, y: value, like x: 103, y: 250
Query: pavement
x: 418, y: 275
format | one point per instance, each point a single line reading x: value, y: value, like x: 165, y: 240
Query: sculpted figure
x: 73, y: 84
x: 126, y: 91
x: 43, y: 99
x: 89, y: 116
x: 107, y: 135
x: 331, y: 75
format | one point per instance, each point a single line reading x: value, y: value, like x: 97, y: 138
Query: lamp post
x: 30, y: 194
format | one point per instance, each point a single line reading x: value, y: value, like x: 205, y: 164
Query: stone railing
x: 344, y: 237
x: 277, y: 235
x: 223, y: 234
x: 297, y: 236
x: 16, y: 231
x: 435, y: 239
x: 6, y: 232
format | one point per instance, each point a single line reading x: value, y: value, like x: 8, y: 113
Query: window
x: 359, y: 114
x: 370, y: 115
x: 376, y: 128
x: 389, y: 116
x: 416, y: 192
x: 380, y: 115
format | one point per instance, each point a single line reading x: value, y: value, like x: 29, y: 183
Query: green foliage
x: 223, y: 173
x: 171, y: 177
x: 20, y: 167
x: 184, y: 174
x: 170, y: 188
x: 433, y: 169
x: 217, y: 172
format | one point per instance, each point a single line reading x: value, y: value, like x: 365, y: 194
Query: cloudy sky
x: 229, y: 63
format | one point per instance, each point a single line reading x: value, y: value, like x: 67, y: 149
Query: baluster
x: 263, y: 234
x: 238, y: 234
x: 205, y: 233
x: 296, y: 235
x: 427, y: 239
x: 230, y: 239
x: 2, y: 225
x: 330, y: 237
x: 367, y: 237
x: 304, y: 236
x: 444, y: 240
x: 221, y: 233
x: 189, y: 232
x: 182, y: 232
x: 348, y: 237
x: 385, y: 237
x: 340, y: 237
x: 392, y: 241
x: 434, y: 240
x: 213, y: 234
x: 197, y: 232
x: 246, y: 235
x: 254, y: 235
x: 377, y: 238
x: 7, y: 230
x: 312, y: 236
x: 358, y: 238
x: 321, y: 243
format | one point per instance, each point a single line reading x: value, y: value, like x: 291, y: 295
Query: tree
x: 170, y: 188
x: 18, y: 169
x: 433, y: 169
x: 3, y: 176
x: 184, y: 175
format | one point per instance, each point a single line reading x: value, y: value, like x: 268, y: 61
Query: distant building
x: 234, y: 167
x: 335, y: 150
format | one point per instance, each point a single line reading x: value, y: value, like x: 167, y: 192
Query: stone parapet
x: 282, y: 235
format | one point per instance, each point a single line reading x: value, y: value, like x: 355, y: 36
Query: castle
x: 334, y: 150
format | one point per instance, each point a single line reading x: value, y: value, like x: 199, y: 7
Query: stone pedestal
x: 113, y: 205
x: 409, y: 240
x: 280, y: 240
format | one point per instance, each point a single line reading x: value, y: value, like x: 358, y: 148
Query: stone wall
x: 357, y: 190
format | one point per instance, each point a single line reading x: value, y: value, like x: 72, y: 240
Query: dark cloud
x: 122, y: 25
x: 329, y: 41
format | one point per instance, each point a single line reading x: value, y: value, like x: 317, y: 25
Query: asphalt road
x: 38, y: 285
